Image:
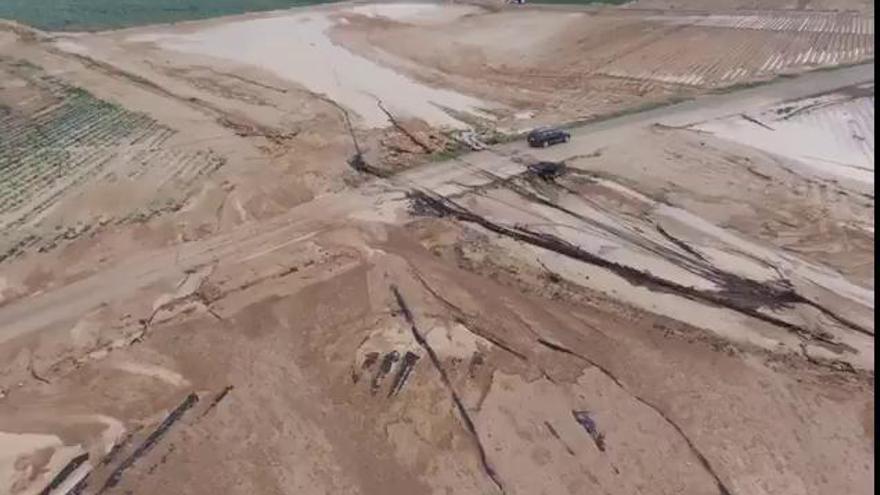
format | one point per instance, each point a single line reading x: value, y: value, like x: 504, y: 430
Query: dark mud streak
x: 756, y: 121
x: 737, y: 288
x: 401, y: 128
x: 36, y: 376
x: 384, y: 368
x: 678, y: 242
x: 760, y: 175
x: 78, y: 488
x: 150, y: 441
x: 462, y: 411
x: 836, y: 317
x: 62, y: 475
x: 219, y: 397
x: 116, y: 449
x: 556, y: 435
x: 467, y: 321
x: 247, y: 81
x: 410, y: 359
x: 220, y: 116
x: 740, y: 294
x: 583, y: 418
x: 659, y: 250
x: 722, y: 489
x: 358, y: 163
x: 370, y: 360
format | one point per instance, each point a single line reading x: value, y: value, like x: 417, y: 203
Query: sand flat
x: 297, y: 47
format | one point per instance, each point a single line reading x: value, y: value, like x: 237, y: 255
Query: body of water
x: 95, y: 15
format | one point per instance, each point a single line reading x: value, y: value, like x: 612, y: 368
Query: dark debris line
x: 722, y: 488
x: 150, y: 441
x: 584, y: 419
x: 435, y: 360
x: 406, y: 367
x: 742, y: 295
x: 65, y: 473
x: 384, y: 368
x: 217, y: 398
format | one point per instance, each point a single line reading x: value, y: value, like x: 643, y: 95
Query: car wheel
x: 566, y: 139
x: 545, y: 144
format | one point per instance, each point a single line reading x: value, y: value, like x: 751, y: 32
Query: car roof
x: 542, y: 130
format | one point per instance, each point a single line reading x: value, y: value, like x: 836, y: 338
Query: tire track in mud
x: 739, y: 294
x: 150, y: 441
x: 115, y: 476
x: 722, y: 488
x: 465, y: 318
x: 444, y: 377
x: 223, y: 118
x: 735, y: 286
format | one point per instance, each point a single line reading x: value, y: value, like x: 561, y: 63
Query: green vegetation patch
x: 96, y: 15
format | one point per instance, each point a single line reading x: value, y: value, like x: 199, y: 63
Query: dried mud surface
x: 220, y: 279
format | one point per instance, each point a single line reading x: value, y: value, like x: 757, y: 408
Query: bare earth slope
x: 203, y: 291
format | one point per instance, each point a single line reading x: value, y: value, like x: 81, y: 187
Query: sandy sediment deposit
x: 831, y: 134
x: 298, y: 48
x: 306, y: 252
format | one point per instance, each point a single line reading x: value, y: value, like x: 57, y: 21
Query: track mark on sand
x: 722, y: 488
x: 150, y: 441
x: 462, y: 411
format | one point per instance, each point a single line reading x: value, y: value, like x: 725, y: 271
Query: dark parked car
x: 547, y: 170
x: 545, y: 136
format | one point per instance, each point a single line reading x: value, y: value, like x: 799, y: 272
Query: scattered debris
x: 252, y: 129
x: 739, y: 294
x: 462, y: 411
x: 412, y: 137
x: 556, y: 436
x: 150, y: 441
x: 678, y: 242
x: 583, y: 418
x: 756, y: 121
x: 477, y: 360
x: 358, y: 163
x: 409, y: 363
x: 117, y: 448
x: 722, y: 488
x: 220, y: 396
x: 548, y: 170
x: 384, y: 368
x: 369, y: 360
x: 472, y: 140
x: 65, y: 472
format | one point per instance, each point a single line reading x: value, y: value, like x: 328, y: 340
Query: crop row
x: 727, y: 57
x: 60, y: 137
x: 819, y: 23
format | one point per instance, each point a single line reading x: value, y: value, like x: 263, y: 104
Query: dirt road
x: 590, y: 137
